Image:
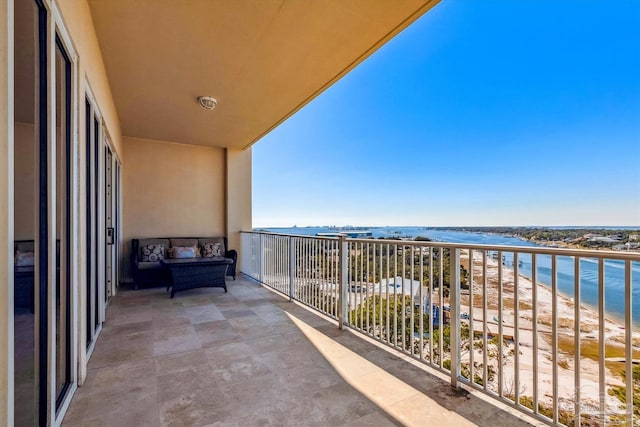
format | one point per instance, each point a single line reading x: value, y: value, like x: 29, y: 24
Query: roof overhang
x: 262, y: 60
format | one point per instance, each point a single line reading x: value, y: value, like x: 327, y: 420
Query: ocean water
x: 613, y: 270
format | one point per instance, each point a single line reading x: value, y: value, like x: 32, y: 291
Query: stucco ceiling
x: 262, y: 59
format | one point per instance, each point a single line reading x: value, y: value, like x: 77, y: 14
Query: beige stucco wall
x: 25, y: 182
x: 77, y: 19
x: 171, y: 190
x: 238, y: 196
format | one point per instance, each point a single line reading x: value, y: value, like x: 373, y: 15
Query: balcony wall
x: 79, y: 23
x: 24, y: 182
x: 171, y: 190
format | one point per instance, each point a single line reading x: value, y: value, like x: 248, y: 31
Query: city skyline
x: 506, y: 113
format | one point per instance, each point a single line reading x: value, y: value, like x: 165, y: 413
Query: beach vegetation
x: 621, y: 391
x: 565, y: 417
x: 397, y: 321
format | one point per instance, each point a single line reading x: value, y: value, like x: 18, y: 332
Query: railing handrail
x: 538, y: 250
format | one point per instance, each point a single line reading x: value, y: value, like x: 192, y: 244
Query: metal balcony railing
x: 547, y: 331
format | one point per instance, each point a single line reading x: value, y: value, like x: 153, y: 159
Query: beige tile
x: 203, y: 313
x: 228, y: 351
x: 180, y: 361
x: 175, y: 340
x: 238, y: 369
x: 216, y: 333
x: 117, y: 350
x: 248, y: 358
x: 128, y: 317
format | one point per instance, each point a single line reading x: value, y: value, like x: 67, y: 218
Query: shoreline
x: 609, y: 317
x: 525, y: 290
x: 588, y: 329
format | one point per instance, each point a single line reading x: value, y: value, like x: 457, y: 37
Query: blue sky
x: 496, y: 112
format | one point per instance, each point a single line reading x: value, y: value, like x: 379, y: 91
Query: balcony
x: 511, y: 330
x: 251, y: 357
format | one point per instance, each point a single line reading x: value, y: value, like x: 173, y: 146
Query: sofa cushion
x: 183, y: 252
x: 145, y: 242
x: 184, y: 242
x: 220, y: 240
x: 210, y: 250
x: 152, y: 253
x: 24, y: 259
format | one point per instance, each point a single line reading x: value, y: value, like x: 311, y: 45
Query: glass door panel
x: 62, y: 291
x: 88, y: 226
x: 30, y: 144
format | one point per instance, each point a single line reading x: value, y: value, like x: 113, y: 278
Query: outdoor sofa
x: 147, y: 254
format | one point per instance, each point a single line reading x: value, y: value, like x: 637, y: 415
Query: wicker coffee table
x: 197, y: 273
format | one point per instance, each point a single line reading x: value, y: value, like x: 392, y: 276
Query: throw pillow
x: 24, y: 259
x: 151, y: 253
x: 209, y: 250
x: 182, y: 252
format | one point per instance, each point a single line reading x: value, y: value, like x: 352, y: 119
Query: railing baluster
x: 388, y: 330
x: 431, y: 305
x: 380, y: 326
x: 576, y: 343
x: 441, y: 308
x: 422, y: 308
x: 374, y: 308
x: 454, y: 307
x: 516, y: 329
x: 485, y: 356
x: 628, y: 350
x: 368, y: 325
x: 413, y: 304
x: 602, y: 342
x: 554, y: 334
x: 395, y: 295
x: 343, y: 260
x: 292, y: 267
x: 261, y: 257
x: 403, y: 317
x: 534, y: 315
x: 500, y: 329
x: 472, y: 369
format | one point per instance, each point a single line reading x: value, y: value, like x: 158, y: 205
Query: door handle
x: 110, y: 235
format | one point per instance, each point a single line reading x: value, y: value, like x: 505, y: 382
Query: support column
x: 238, y: 196
x: 6, y: 212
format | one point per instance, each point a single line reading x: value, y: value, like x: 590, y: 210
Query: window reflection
x: 62, y: 288
x: 25, y: 207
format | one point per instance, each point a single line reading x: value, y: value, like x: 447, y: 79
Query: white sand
x: 589, y: 320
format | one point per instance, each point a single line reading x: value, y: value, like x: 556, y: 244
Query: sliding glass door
x: 44, y: 351
x: 94, y: 309
x: 30, y: 229
x: 62, y: 291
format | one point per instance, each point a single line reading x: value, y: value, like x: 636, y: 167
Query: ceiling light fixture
x: 207, y: 102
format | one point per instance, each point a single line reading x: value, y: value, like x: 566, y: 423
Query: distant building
x: 354, y: 234
x: 398, y: 286
x: 602, y: 239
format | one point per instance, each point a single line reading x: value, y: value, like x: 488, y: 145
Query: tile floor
x: 251, y: 358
